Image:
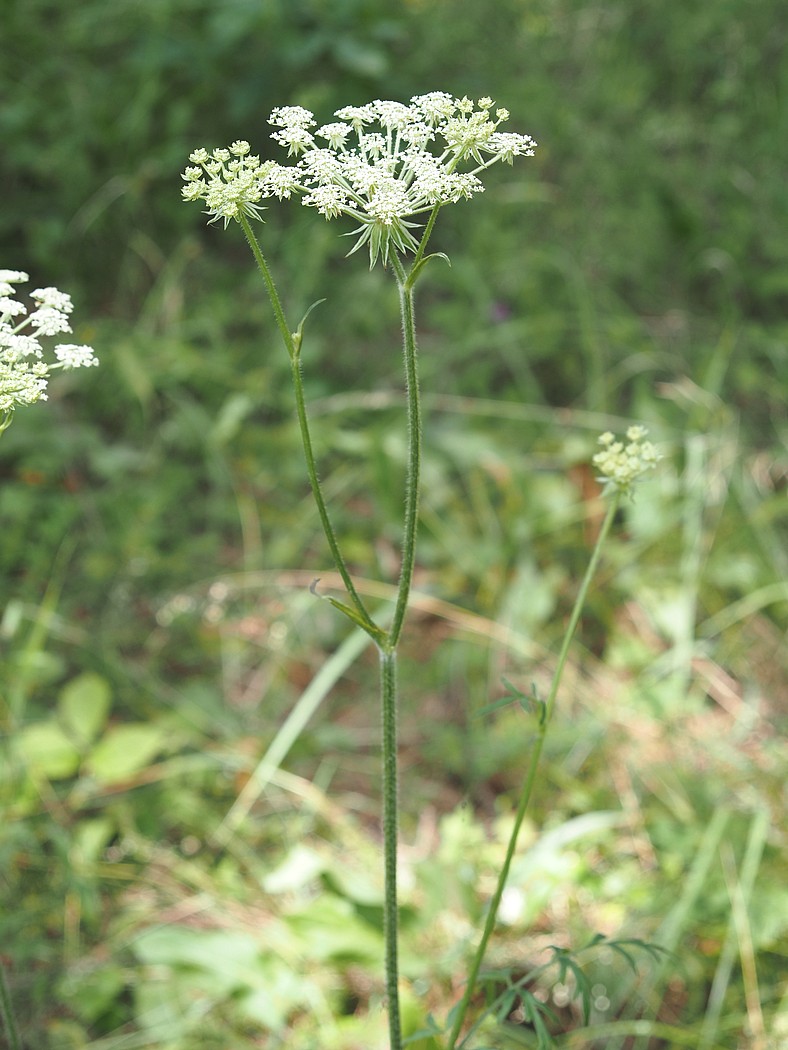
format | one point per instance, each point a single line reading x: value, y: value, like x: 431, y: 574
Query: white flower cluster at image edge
x: 621, y: 464
x: 24, y: 372
x: 382, y: 163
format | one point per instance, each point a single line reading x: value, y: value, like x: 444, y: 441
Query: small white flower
x: 53, y: 299
x: 335, y: 134
x: 358, y: 116
x: 292, y: 117
x: 231, y: 182
x: 11, y: 307
x: 507, y: 145
x: 296, y: 138
x: 392, y: 115
x: 49, y: 321
x: 72, y: 356
x: 280, y: 181
x: 435, y: 106
x: 620, y: 466
x: 24, y: 373
x: 15, y: 346
x: 329, y: 200
x: 21, y: 383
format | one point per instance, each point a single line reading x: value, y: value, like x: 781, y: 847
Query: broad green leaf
x: 228, y: 955
x: 355, y: 885
x: 225, y: 964
x: 90, y: 839
x: 125, y: 750
x: 301, y: 866
x: 84, y: 705
x: 48, y: 750
x: 329, y: 929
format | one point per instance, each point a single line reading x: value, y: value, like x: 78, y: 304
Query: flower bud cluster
x: 382, y: 163
x: 24, y: 373
x: 621, y: 464
x: 232, y: 182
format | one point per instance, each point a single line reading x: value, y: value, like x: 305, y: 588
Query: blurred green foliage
x: 157, y: 629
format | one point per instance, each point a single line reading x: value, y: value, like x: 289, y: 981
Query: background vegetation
x: 159, y: 641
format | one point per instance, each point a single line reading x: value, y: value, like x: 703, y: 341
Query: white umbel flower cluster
x: 621, y: 464
x: 232, y: 182
x: 24, y: 373
x: 383, y: 164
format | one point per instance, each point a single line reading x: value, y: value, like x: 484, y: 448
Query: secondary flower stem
x: 528, y: 784
x: 306, y: 440
x: 273, y: 295
x: 426, y: 236
x: 388, y: 692
x: 293, y: 347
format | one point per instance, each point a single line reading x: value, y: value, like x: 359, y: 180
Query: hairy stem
x: 306, y: 440
x: 414, y: 451
x: 273, y: 295
x: 426, y: 236
x: 530, y: 776
x: 388, y: 652
x: 388, y: 693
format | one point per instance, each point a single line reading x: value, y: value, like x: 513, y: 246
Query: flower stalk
x: 414, y: 451
x: 526, y: 792
x: 387, y: 166
x: 293, y: 347
x: 389, y: 706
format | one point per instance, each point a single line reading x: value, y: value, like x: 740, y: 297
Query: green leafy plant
x: 392, y: 167
x: 24, y: 377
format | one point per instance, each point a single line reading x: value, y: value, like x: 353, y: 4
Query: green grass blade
x: 309, y: 701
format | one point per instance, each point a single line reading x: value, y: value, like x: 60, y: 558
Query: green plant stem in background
x: 9, y: 1023
x: 545, y: 714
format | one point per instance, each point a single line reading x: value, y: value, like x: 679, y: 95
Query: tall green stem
x: 414, y: 451
x: 388, y: 693
x: 293, y: 345
x: 388, y: 652
x: 322, y: 509
x: 530, y: 776
x: 387, y: 641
